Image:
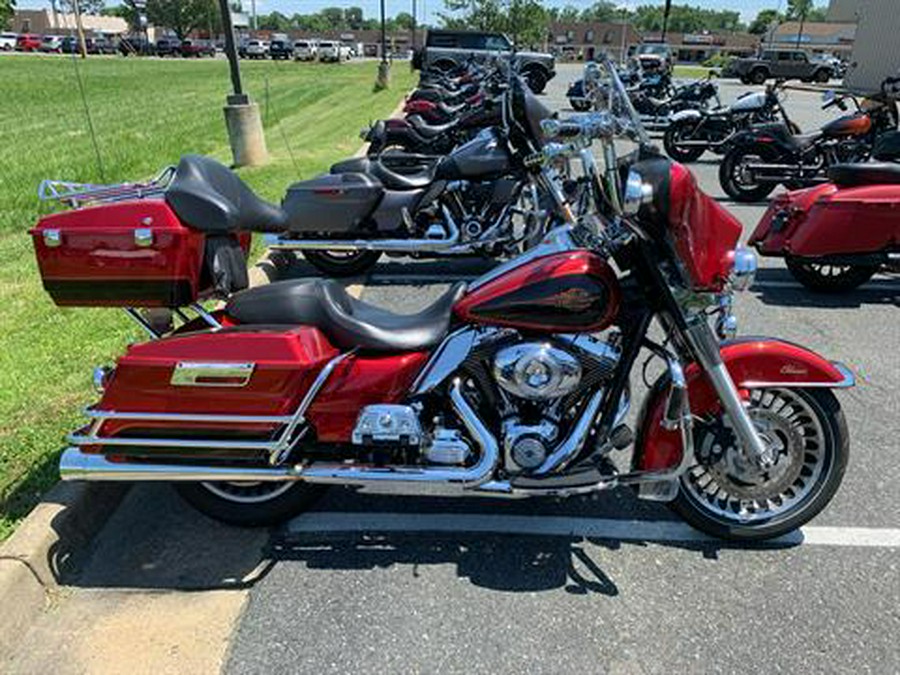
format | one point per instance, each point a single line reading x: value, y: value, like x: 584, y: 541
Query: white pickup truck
x: 334, y: 52
x: 306, y: 50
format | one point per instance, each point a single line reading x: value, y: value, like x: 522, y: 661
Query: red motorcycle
x: 514, y: 385
x: 835, y: 236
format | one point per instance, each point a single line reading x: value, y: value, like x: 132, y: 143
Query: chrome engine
x: 544, y: 383
x: 536, y: 371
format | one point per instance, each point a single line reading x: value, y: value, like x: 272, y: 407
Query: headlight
x: 743, y: 271
x: 101, y: 377
x: 637, y: 193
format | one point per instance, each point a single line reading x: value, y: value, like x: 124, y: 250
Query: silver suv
x: 445, y: 49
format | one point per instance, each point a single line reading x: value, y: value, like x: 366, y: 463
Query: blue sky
x: 748, y: 8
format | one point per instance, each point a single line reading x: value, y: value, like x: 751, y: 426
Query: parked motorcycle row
x: 834, y: 227
x: 513, y: 385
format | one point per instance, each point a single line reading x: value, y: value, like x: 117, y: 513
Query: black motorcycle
x: 692, y: 132
x: 767, y: 155
x: 656, y: 111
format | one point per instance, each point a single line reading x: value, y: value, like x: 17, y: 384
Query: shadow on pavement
x: 771, y: 286
x: 155, y: 541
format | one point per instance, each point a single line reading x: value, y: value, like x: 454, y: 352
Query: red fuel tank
x: 568, y: 292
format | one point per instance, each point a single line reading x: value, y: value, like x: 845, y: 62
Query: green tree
x: 184, y: 16
x: 353, y: 17
x: 763, y: 20
x: 333, y: 17
x: 7, y: 9
x: 276, y: 21
x: 526, y: 21
x: 601, y: 11
x: 799, y: 10
x: 404, y: 21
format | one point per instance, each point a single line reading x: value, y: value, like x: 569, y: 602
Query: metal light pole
x: 414, y: 25
x: 245, y: 131
x: 666, y: 12
x: 383, y: 81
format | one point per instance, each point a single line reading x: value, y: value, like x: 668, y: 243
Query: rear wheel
x: 758, y: 76
x: 342, y: 263
x: 250, y: 504
x: 823, y: 76
x: 829, y: 278
x: 672, y: 139
x: 736, y: 179
x: 728, y: 495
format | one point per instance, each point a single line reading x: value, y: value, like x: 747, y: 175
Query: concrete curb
x: 48, y: 546
x: 47, y: 549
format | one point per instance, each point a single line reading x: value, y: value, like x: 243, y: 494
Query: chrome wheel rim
x: 248, y: 492
x: 729, y: 488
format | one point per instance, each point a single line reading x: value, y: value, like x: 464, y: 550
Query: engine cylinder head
x: 536, y: 371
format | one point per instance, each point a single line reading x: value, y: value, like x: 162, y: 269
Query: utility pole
x: 245, y: 130
x: 413, y: 25
x: 383, y: 81
x: 82, y: 47
x: 666, y: 12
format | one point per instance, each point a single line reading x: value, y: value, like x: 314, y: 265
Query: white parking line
x: 603, y: 528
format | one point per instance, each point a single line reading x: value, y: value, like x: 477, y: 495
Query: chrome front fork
x: 706, y: 348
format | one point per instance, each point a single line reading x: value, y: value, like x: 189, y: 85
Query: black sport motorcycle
x: 767, y: 155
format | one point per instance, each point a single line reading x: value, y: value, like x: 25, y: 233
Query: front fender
x: 753, y: 363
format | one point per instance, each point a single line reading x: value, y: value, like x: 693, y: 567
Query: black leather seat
x: 210, y: 197
x: 414, y: 174
x: 873, y: 173
x: 349, y: 323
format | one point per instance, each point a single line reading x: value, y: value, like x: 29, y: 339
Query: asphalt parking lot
x: 370, y: 583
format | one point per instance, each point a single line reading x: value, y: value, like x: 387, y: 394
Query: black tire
x: 818, y: 486
x: 580, y: 106
x: 745, y: 79
x: 537, y: 80
x: 758, y: 76
x: 822, y: 76
x: 342, y: 265
x: 674, y: 133
x: 248, y: 505
x: 829, y: 278
x: 729, y: 166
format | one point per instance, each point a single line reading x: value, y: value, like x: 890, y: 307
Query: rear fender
x: 753, y: 363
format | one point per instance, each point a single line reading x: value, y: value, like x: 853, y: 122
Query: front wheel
x: 342, y: 263
x: 672, y: 139
x: 736, y: 178
x: 250, y: 504
x: 729, y: 496
x: 825, y: 278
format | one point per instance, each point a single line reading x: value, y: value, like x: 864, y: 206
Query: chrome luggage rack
x: 76, y: 195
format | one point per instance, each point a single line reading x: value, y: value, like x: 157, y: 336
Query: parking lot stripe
x: 602, y: 528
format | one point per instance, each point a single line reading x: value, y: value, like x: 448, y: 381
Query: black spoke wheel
x: 252, y: 503
x: 673, y: 139
x: 736, y: 178
x: 729, y: 495
x: 342, y: 263
x: 826, y: 278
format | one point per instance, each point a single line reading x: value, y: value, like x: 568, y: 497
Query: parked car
x: 100, y: 45
x: 787, y: 64
x: 197, y: 48
x: 257, y: 49
x: 655, y: 58
x: 8, y: 41
x: 28, y: 42
x: 281, y: 49
x: 168, y: 47
x: 51, y: 44
x: 333, y: 52
x: 306, y: 50
x: 446, y: 49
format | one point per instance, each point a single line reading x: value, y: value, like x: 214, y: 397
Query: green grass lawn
x: 146, y: 113
x: 691, y: 72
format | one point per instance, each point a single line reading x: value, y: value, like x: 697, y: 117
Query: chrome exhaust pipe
x: 443, y: 245
x: 77, y: 465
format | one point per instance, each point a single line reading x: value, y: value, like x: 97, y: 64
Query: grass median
x: 145, y: 114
